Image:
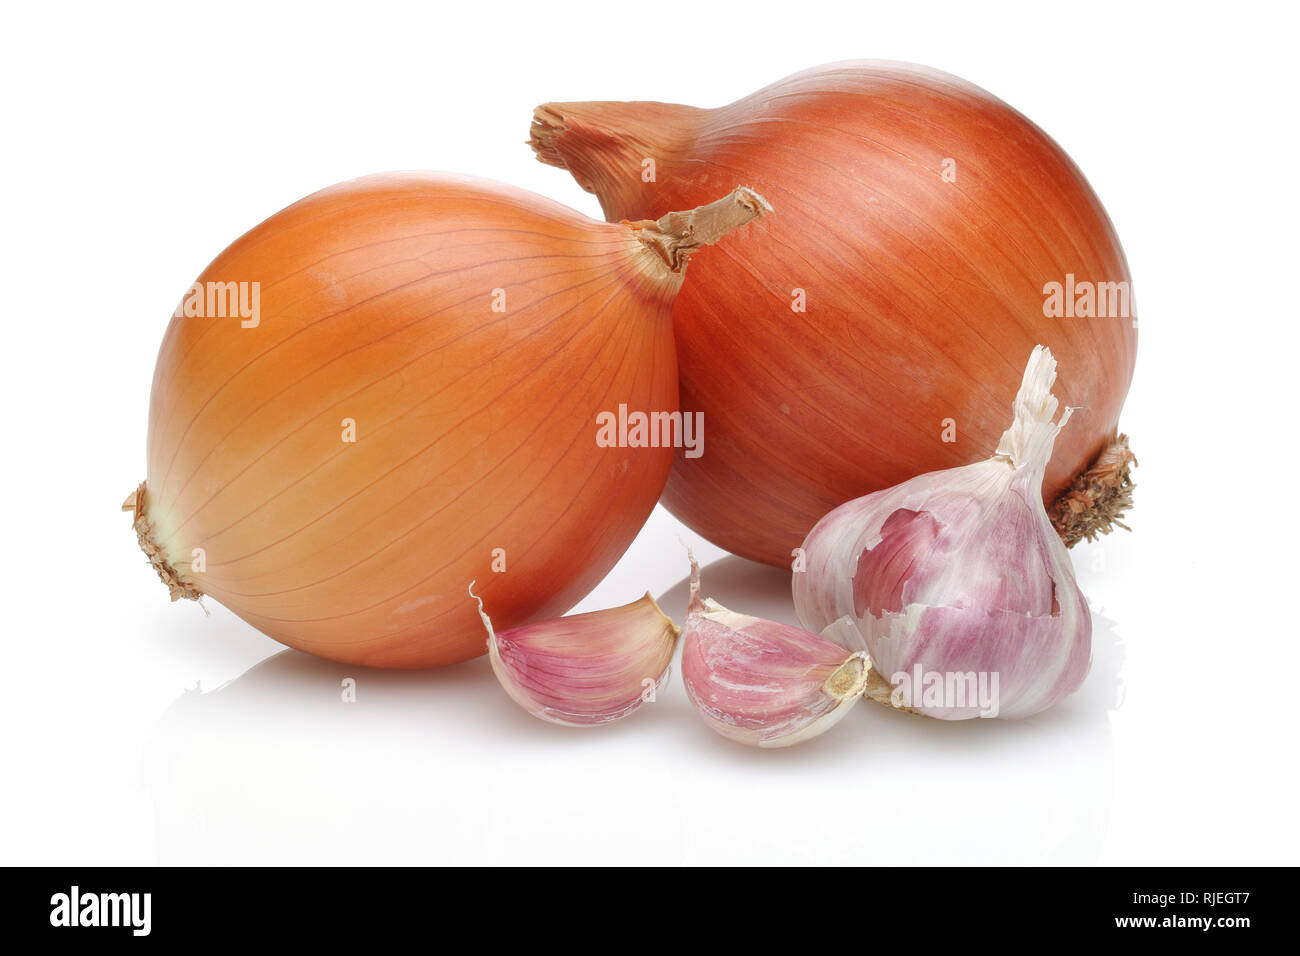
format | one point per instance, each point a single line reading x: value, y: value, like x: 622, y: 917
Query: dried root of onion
x: 1098, y: 498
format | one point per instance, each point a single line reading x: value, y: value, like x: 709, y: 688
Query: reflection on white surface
x: 439, y: 766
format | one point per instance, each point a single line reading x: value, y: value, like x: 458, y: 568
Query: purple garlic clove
x: 762, y: 683
x: 584, y: 670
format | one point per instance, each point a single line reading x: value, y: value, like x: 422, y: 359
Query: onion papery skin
x: 922, y: 295
x: 475, y: 429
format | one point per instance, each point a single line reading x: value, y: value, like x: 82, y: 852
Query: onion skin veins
x: 922, y: 293
x: 472, y: 446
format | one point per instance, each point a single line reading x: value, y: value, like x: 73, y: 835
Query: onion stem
x: 678, y: 234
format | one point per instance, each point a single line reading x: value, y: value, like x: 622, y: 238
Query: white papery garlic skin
x: 959, y: 574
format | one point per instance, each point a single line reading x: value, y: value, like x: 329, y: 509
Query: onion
x: 922, y: 221
x: 407, y: 401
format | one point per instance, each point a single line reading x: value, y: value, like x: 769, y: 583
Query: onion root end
x: 1098, y: 498
x: 137, y: 504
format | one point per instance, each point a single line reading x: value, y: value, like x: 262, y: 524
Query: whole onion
x: 392, y: 388
x: 871, y: 331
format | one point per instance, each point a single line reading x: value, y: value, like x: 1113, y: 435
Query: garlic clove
x: 584, y: 670
x: 762, y: 683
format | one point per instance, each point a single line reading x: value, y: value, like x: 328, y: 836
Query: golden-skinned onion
x: 413, y: 407
x: 871, y: 331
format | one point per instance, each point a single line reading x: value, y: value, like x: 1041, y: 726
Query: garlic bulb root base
x: 137, y: 503
x: 1098, y: 498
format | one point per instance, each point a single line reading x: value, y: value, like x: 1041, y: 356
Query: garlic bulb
x: 585, y: 669
x: 955, y: 582
x: 763, y: 683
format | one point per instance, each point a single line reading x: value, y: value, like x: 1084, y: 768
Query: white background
x: 140, y: 140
